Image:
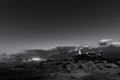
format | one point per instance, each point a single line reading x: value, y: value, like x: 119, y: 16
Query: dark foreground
x: 82, y: 68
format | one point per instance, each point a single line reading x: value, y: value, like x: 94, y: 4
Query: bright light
x: 36, y: 59
x: 80, y: 52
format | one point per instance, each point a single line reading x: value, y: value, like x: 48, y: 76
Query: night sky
x: 44, y: 24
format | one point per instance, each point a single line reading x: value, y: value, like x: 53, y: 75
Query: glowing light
x: 36, y: 59
x: 80, y: 52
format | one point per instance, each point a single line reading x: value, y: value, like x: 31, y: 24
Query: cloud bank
x: 108, y: 42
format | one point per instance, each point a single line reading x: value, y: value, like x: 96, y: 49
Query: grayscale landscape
x: 101, y: 62
x: 59, y: 40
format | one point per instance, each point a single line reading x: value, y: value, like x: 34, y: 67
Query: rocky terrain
x: 64, y: 63
x: 78, y: 67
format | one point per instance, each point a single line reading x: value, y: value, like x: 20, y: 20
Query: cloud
x: 117, y: 44
x: 108, y: 42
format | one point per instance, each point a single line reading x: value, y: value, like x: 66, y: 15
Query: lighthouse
x: 79, y: 52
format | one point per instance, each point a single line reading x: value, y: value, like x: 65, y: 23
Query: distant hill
x: 59, y: 52
x: 111, y: 51
x: 105, y: 48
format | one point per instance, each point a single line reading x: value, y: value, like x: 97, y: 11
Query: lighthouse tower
x: 79, y: 52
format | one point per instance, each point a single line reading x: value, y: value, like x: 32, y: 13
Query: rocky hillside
x: 79, y: 67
